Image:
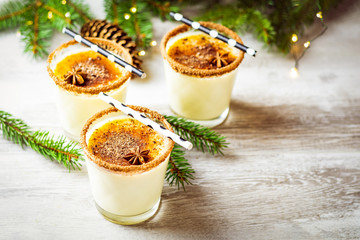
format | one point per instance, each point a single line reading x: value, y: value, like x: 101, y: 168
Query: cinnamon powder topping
x: 210, y: 69
x: 127, y: 136
x: 101, y: 84
x: 93, y: 68
x: 201, y: 52
x: 125, y: 142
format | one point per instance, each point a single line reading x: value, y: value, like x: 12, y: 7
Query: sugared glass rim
x: 200, y: 72
x: 106, y: 44
x: 132, y: 169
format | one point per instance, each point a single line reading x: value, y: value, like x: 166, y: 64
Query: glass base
x: 129, y: 220
x: 211, y: 122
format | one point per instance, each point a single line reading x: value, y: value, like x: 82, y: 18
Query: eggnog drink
x: 80, y: 74
x: 200, y: 72
x: 126, y: 162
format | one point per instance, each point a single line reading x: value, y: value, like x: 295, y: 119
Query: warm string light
x: 127, y: 16
x: 294, y: 72
x: 153, y: 43
x: 133, y: 9
x: 50, y: 15
x: 319, y: 15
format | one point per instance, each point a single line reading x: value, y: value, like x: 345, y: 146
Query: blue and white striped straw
x: 145, y: 120
x: 105, y: 53
x: 213, y: 33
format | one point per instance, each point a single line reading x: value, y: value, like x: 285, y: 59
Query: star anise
x: 137, y: 157
x: 75, y: 77
x: 220, y: 60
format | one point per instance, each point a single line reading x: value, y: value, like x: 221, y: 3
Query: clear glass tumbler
x: 77, y: 103
x: 125, y: 193
x: 198, y: 94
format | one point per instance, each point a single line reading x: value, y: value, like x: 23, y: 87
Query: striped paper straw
x: 145, y: 120
x: 213, y: 33
x: 105, y: 53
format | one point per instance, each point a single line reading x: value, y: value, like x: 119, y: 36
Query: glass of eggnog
x: 80, y: 74
x: 126, y: 162
x: 200, y: 72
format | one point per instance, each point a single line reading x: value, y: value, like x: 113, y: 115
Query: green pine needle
x: 241, y: 19
x: 59, y: 149
x: 37, y: 20
x: 14, y: 129
x: 201, y: 137
x: 11, y: 13
x: 272, y: 22
x: 138, y: 26
x: 179, y: 171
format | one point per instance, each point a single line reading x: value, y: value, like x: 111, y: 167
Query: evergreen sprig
x: 11, y: 13
x: 38, y: 19
x: 64, y: 152
x: 179, y: 171
x: 272, y: 22
x: 201, y: 137
x: 137, y: 23
x: 241, y: 19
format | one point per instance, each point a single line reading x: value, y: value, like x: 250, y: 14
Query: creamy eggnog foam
x: 199, y: 94
x: 126, y: 193
x: 78, y: 103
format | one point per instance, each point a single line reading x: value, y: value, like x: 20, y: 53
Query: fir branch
x: 11, y: 13
x: 138, y: 26
x: 64, y: 152
x: 59, y: 14
x: 38, y: 18
x: 179, y: 172
x: 36, y: 31
x: 201, y: 137
x: 115, y: 12
x: 35, y: 44
x: 139, y: 36
x: 82, y: 11
x: 14, y: 129
x: 162, y: 8
x: 241, y: 19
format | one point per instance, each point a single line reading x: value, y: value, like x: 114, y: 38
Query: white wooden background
x: 292, y: 170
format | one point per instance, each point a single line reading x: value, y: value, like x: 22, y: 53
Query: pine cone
x: 103, y: 29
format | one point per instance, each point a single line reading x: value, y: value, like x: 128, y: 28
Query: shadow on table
x: 193, y: 212
x: 260, y: 117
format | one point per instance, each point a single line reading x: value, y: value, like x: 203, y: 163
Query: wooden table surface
x: 292, y: 169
